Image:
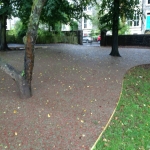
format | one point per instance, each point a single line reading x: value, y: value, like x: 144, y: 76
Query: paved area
x: 21, y: 46
x: 92, y: 44
x: 75, y: 90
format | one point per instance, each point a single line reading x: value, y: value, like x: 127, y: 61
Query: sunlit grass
x: 129, y: 128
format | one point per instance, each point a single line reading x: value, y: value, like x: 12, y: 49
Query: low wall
x: 127, y: 40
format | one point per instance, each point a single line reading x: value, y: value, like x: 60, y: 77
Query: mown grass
x: 129, y: 128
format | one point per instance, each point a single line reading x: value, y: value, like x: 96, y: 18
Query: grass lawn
x: 129, y: 128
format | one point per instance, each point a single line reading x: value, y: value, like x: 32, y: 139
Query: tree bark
x: 3, y: 43
x: 115, y: 51
x: 18, y: 77
x: 30, y: 40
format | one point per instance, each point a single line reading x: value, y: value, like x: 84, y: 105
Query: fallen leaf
x: 15, y: 111
x: 82, y: 121
x: 105, y: 140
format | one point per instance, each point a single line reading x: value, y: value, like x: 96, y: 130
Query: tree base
x: 5, y: 48
x: 115, y: 54
x: 24, y: 88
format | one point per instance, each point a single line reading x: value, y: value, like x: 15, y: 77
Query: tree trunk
x: 3, y: 43
x: 30, y: 40
x: 114, y: 51
x: 49, y: 27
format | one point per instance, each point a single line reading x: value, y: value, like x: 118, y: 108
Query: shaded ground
x: 75, y: 90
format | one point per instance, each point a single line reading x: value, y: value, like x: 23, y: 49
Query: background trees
x: 56, y: 11
x: 53, y: 12
x: 7, y: 8
x: 113, y: 11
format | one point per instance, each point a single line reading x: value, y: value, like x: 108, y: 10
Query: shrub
x: 43, y: 37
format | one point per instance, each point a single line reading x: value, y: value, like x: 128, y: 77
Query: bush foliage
x: 44, y: 37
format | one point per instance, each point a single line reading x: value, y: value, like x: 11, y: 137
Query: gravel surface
x: 75, y: 90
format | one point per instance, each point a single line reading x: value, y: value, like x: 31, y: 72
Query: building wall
x: 146, y: 17
x: 144, y: 22
x: 128, y: 40
x: 65, y: 27
x: 86, y: 24
x: 135, y: 26
x: 11, y: 23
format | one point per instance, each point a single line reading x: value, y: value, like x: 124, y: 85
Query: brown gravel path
x: 75, y: 90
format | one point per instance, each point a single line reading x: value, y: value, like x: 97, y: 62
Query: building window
x: 137, y: 1
x: 148, y: 1
x: 63, y: 27
x: 129, y: 22
x: 135, y: 21
x: 85, y: 23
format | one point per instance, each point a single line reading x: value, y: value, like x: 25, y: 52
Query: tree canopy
x: 113, y: 11
x: 127, y: 10
x: 8, y: 8
x: 54, y: 11
x: 62, y: 11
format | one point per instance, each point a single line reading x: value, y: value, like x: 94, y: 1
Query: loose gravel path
x: 75, y: 90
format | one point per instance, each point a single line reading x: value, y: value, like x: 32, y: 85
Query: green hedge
x: 47, y: 37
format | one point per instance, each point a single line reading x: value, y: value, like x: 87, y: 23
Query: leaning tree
x: 23, y: 79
